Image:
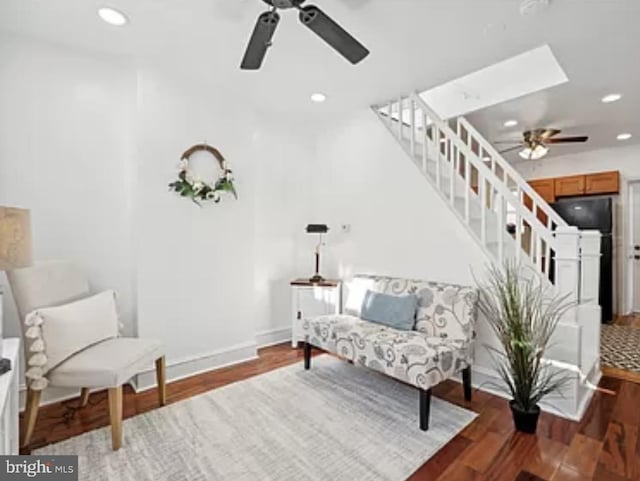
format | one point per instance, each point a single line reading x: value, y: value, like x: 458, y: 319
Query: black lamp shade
x: 317, y: 229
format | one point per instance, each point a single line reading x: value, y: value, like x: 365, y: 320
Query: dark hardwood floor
x: 604, y: 446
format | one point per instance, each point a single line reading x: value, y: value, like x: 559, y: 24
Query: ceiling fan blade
x: 567, y: 140
x: 332, y: 33
x: 260, y: 40
x: 545, y: 134
x: 511, y: 149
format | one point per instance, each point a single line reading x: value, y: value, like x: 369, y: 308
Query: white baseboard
x: 191, y: 366
x: 273, y: 336
x: 592, y: 379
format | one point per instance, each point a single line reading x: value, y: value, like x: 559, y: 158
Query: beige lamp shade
x: 15, y: 238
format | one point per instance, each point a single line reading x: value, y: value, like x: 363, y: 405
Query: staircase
x: 509, y: 220
x: 498, y: 207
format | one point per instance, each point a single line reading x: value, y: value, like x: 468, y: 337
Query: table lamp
x: 319, y: 229
x: 15, y: 252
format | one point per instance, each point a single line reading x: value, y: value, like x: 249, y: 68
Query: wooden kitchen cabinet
x: 603, y: 183
x: 568, y: 186
x: 545, y: 188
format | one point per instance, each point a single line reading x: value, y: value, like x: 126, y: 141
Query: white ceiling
x: 415, y: 44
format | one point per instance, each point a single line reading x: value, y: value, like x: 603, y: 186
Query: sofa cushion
x: 410, y: 356
x: 444, y: 310
x: 398, y: 312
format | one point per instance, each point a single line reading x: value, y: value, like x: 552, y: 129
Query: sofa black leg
x: 307, y: 356
x: 466, y: 383
x: 425, y: 406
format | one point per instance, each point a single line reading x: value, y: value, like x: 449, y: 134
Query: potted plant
x: 523, y: 310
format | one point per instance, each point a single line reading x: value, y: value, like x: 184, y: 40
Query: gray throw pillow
x: 398, y: 312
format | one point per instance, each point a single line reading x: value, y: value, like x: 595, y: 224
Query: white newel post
x: 590, y: 266
x: 589, y: 311
x: 567, y: 275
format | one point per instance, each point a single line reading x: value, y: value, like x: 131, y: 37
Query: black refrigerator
x: 594, y: 214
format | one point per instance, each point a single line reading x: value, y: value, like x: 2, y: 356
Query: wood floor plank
x: 442, y: 460
x: 597, y: 416
x: 545, y: 457
x: 627, y: 407
x: 459, y: 472
x: 511, y: 459
x: 527, y: 476
x: 582, y: 456
x: 484, y: 451
x: 618, y: 454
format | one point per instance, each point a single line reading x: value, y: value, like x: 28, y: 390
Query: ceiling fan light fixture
x: 607, y: 99
x: 318, y: 97
x: 113, y: 16
x: 536, y: 153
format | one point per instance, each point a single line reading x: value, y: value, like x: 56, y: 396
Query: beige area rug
x: 620, y: 347
x: 334, y: 422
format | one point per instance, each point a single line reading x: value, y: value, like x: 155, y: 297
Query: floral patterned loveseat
x: 440, y: 345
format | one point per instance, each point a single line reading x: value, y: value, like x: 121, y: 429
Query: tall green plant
x: 523, y: 313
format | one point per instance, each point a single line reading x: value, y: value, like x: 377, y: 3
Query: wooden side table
x: 312, y: 299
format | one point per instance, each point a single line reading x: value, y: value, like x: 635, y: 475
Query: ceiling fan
x: 534, y: 142
x: 310, y: 16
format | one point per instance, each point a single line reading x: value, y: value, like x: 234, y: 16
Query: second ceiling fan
x: 534, y: 142
x: 310, y: 16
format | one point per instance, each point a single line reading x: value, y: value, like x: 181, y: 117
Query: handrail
x: 541, y: 230
x: 513, y: 173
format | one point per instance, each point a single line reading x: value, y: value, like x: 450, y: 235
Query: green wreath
x: 197, y: 190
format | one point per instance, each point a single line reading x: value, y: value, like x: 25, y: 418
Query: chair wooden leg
x: 466, y: 383
x: 425, y: 406
x: 31, y: 414
x: 161, y: 377
x: 115, y: 415
x: 84, y: 397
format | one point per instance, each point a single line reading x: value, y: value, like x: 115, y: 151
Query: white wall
x: 89, y: 144
x: 211, y: 278
x: 627, y: 161
x: 65, y: 153
x: 283, y: 203
x: 399, y: 225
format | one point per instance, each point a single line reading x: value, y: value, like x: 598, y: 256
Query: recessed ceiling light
x: 511, y: 123
x: 113, y: 16
x: 607, y: 99
x: 318, y: 97
x: 625, y: 136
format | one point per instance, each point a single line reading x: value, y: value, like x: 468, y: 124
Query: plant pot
x: 525, y: 421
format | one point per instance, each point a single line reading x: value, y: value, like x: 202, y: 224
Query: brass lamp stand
x: 319, y: 229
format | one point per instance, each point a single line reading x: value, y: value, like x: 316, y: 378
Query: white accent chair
x: 107, y: 364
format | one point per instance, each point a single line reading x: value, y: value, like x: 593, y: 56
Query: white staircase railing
x: 509, y: 220
x: 500, y: 209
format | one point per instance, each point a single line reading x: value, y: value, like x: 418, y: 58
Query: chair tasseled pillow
x: 57, y: 333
